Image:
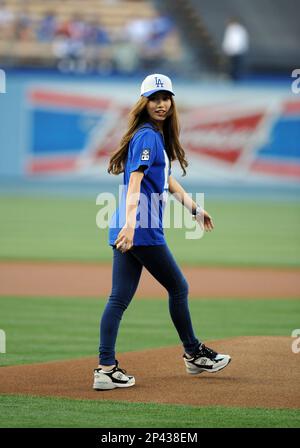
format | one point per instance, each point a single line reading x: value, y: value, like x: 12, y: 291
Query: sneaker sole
x: 109, y: 386
x: 217, y: 369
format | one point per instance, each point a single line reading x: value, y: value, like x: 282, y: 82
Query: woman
x: 136, y: 230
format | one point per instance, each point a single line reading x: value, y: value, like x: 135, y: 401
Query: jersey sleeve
x: 143, y: 151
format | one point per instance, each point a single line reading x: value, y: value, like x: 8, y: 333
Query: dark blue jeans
x: 127, y: 269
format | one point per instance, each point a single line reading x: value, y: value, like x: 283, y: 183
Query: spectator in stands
x: 98, y: 53
x: 162, y: 26
x: 146, y: 36
x: 138, y: 30
x: 153, y: 51
x: 235, y: 46
x: 7, y: 21
x: 95, y: 34
x: 24, y: 26
x: 131, y: 42
x: 125, y: 56
x: 47, y: 27
x: 68, y: 46
x: 77, y: 27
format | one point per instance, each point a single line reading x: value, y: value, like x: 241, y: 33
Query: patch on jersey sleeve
x: 145, y: 154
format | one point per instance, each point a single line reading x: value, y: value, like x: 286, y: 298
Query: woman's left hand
x: 205, y: 220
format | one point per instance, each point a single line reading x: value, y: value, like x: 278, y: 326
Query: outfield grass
x: 36, y: 412
x: 246, y: 233
x: 39, y: 330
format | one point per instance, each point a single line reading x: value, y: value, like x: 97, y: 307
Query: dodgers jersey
x: 146, y: 148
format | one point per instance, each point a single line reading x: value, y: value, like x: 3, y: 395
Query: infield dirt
x: 60, y: 279
x: 264, y: 373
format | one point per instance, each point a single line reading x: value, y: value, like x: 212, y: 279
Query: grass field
x: 32, y: 412
x: 42, y: 329
x: 246, y: 233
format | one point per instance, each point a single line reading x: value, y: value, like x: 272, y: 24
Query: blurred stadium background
x: 73, y: 70
x: 72, y: 73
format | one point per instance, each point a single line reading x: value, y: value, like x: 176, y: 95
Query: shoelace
x: 117, y: 368
x: 205, y: 351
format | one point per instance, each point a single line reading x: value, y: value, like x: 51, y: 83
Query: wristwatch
x: 198, y: 210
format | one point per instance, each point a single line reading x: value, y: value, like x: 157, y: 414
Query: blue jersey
x: 147, y: 149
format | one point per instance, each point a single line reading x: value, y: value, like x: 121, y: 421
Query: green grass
x: 36, y: 412
x: 39, y: 330
x: 45, y: 329
x: 246, y: 233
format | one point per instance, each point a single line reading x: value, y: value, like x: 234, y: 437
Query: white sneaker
x: 111, y: 380
x: 205, y: 360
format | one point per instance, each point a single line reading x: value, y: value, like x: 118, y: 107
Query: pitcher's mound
x: 264, y: 372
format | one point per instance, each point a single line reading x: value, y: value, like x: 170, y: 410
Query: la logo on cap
x: 158, y: 82
x: 155, y: 83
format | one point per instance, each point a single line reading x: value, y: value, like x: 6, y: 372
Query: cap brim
x: 147, y: 94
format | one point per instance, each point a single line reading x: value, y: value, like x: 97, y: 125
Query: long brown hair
x: 138, y: 116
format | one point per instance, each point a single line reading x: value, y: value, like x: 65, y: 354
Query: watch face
x: 198, y: 210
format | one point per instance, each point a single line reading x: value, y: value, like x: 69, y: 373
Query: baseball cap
x: 154, y: 83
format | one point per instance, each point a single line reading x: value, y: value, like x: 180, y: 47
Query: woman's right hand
x: 124, y: 241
